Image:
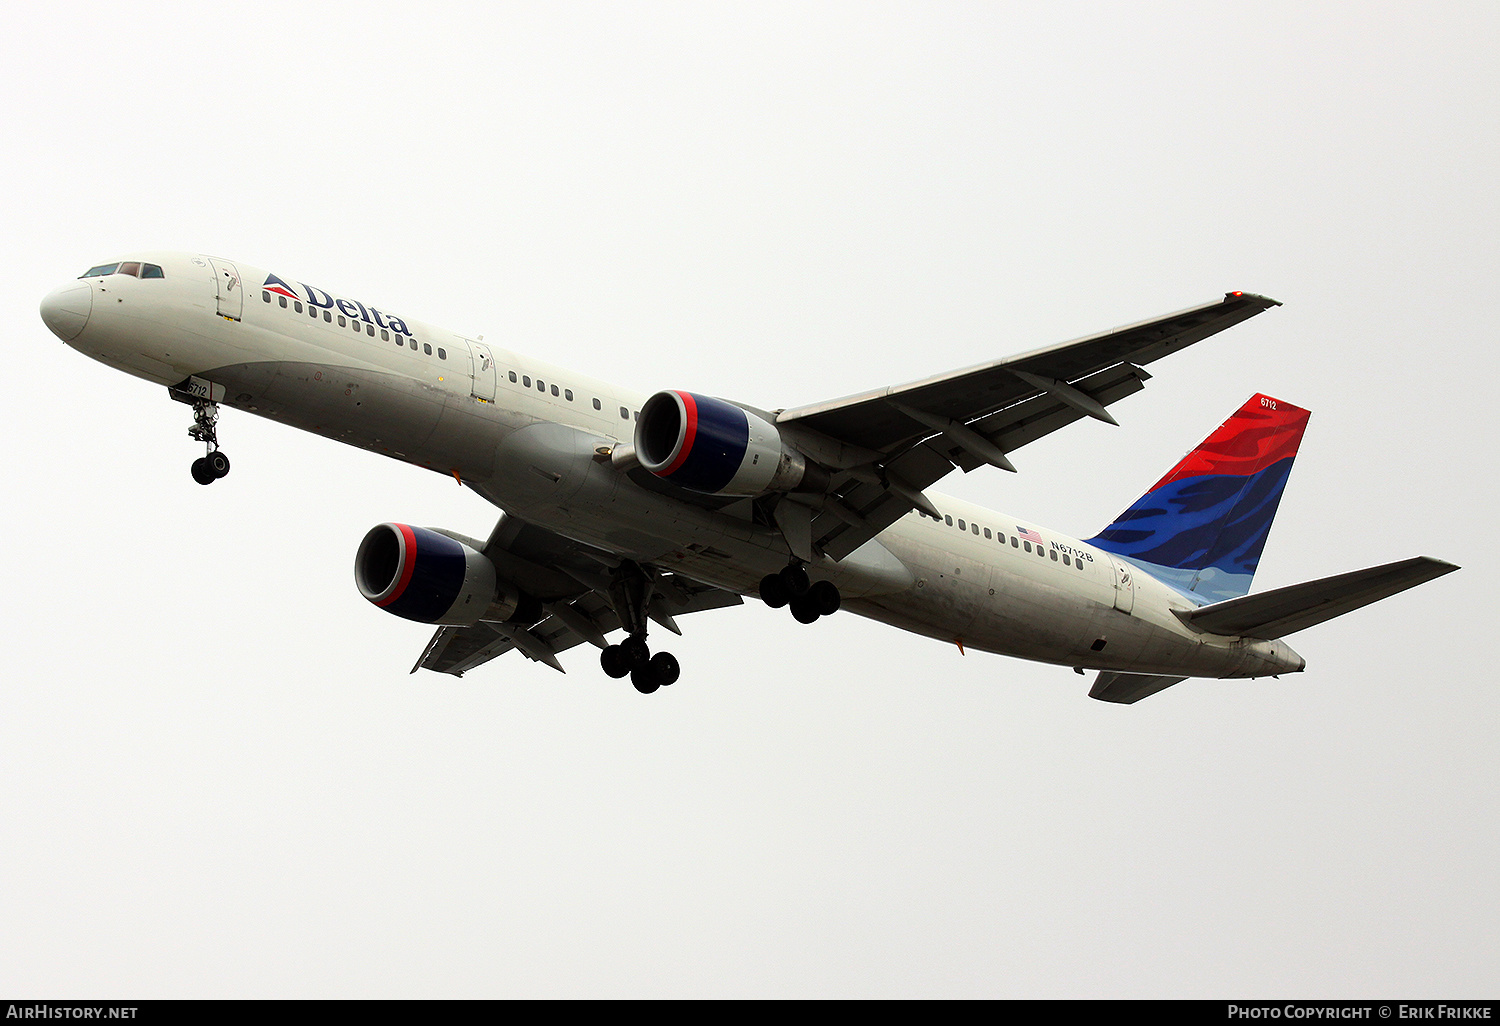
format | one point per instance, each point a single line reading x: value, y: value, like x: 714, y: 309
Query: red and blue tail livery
x: 1202, y: 527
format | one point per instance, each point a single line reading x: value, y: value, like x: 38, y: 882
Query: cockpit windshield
x: 131, y: 267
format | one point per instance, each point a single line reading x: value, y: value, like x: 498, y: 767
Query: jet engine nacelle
x: 431, y: 578
x: 709, y: 445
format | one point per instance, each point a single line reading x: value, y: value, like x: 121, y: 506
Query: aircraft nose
x: 66, y: 310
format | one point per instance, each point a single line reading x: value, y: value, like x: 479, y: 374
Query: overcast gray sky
x: 218, y: 777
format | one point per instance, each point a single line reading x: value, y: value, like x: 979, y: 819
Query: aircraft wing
x: 457, y: 650
x: 894, y: 442
x: 570, y: 579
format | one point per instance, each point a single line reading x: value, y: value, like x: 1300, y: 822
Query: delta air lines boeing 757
x: 619, y: 509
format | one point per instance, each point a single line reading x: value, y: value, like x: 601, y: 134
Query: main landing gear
x: 646, y: 671
x: 808, y: 599
x: 630, y: 592
x: 207, y: 469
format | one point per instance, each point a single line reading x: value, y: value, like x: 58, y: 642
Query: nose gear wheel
x: 207, y: 469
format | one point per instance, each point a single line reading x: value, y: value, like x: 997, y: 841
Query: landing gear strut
x: 630, y: 592
x: 207, y: 469
x: 808, y: 599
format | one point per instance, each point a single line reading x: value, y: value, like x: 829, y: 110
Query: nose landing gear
x: 207, y: 469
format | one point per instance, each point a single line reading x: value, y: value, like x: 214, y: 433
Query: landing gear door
x: 483, y: 374
x: 1124, y: 585
x: 231, y: 289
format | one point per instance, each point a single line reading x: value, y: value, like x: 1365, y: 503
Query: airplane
x: 619, y: 510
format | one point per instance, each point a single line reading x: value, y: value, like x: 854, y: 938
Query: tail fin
x: 1202, y: 527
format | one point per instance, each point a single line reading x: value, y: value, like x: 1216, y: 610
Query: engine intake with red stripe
x: 429, y: 577
x: 709, y: 445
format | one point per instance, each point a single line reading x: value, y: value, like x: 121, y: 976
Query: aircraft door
x: 1124, y: 585
x: 231, y: 290
x: 483, y: 371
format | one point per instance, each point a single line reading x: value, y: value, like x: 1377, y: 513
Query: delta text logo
x: 352, y: 307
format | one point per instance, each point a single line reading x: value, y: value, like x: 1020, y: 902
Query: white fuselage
x: 528, y: 437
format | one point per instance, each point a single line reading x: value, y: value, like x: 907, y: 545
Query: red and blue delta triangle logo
x: 281, y: 288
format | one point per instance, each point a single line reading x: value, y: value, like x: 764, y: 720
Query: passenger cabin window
x: 597, y: 404
x: 526, y: 380
x: 568, y: 394
x: 986, y: 532
x: 442, y: 353
x: 961, y: 525
x: 624, y: 413
x: 948, y: 520
x: 426, y: 348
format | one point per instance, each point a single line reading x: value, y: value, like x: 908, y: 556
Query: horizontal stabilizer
x: 1128, y: 688
x: 1275, y: 614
